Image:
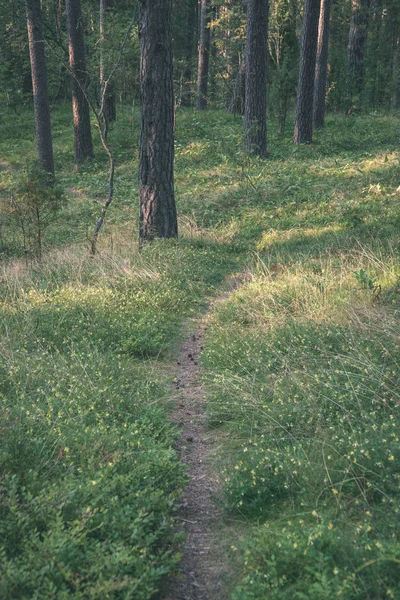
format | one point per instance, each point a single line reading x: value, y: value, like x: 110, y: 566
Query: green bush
x: 302, y: 560
x: 33, y: 201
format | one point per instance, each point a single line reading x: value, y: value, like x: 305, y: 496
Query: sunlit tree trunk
x: 83, y: 146
x: 321, y: 66
x: 255, y: 110
x: 157, y: 216
x: 39, y: 84
x: 204, y: 54
x: 305, y: 88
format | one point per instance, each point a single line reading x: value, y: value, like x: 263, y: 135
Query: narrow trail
x: 203, y: 569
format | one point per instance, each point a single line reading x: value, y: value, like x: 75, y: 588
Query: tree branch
x: 102, y: 126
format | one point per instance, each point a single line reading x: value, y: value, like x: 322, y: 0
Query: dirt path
x: 203, y: 568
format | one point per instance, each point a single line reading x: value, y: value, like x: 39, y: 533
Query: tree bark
x: 305, y: 89
x: 237, y: 100
x: 157, y: 217
x: 186, y: 99
x: 204, y: 54
x: 255, y: 109
x: 213, y: 56
x: 396, y: 75
x: 107, y: 96
x: 355, y: 50
x: 58, y: 8
x: 39, y: 84
x: 83, y: 145
x: 321, y: 66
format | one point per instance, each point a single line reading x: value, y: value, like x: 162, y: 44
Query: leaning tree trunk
x: 186, y: 99
x: 355, y: 50
x: 204, y: 54
x: 321, y: 66
x: 39, y: 84
x: 255, y: 107
x: 157, y: 216
x: 107, y: 91
x: 83, y: 146
x: 305, y: 88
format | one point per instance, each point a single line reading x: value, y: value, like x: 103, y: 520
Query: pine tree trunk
x: 83, y: 145
x: 62, y: 71
x: 321, y: 66
x: 109, y: 108
x: 204, y: 55
x: 355, y: 50
x: 305, y: 88
x: 186, y: 99
x: 213, y: 56
x: 39, y: 84
x: 237, y: 100
x: 396, y: 75
x: 230, y: 56
x: 156, y: 158
x: 255, y: 110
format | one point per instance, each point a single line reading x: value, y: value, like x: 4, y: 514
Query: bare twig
x: 102, y: 126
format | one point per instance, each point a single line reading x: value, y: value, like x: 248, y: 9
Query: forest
x: 199, y: 299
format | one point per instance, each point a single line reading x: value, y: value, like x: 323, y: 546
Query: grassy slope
x: 303, y: 366
x: 301, y: 362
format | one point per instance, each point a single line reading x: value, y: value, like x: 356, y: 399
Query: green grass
x: 89, y: 468
x: 301, y: 363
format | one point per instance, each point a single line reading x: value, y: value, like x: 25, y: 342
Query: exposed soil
x: 5, y: 166
x: 203, y: 571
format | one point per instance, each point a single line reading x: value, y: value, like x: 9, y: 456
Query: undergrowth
x: 301, y: 363
x: 89, y: 470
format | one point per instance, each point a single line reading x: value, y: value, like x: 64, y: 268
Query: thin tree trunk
x: 233, y: 53
x: 355, y: 50
x: 305, y: 89
x: 213, y: 69
x: 157, y: 216
x: 227, y: 52
x: 321, y: 66
x: 62, y: 71
x: 108, y: 104
x: 204, y: 55
x: 39, y: 84
x: 186, y: 99
x: 237, y: 101
x: 83, y: 146
x: 396, y: 75
x: 255, y: 111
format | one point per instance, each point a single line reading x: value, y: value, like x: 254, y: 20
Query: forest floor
x: 203, y: 571
x: 202, y: 558
x: 277, y: 454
